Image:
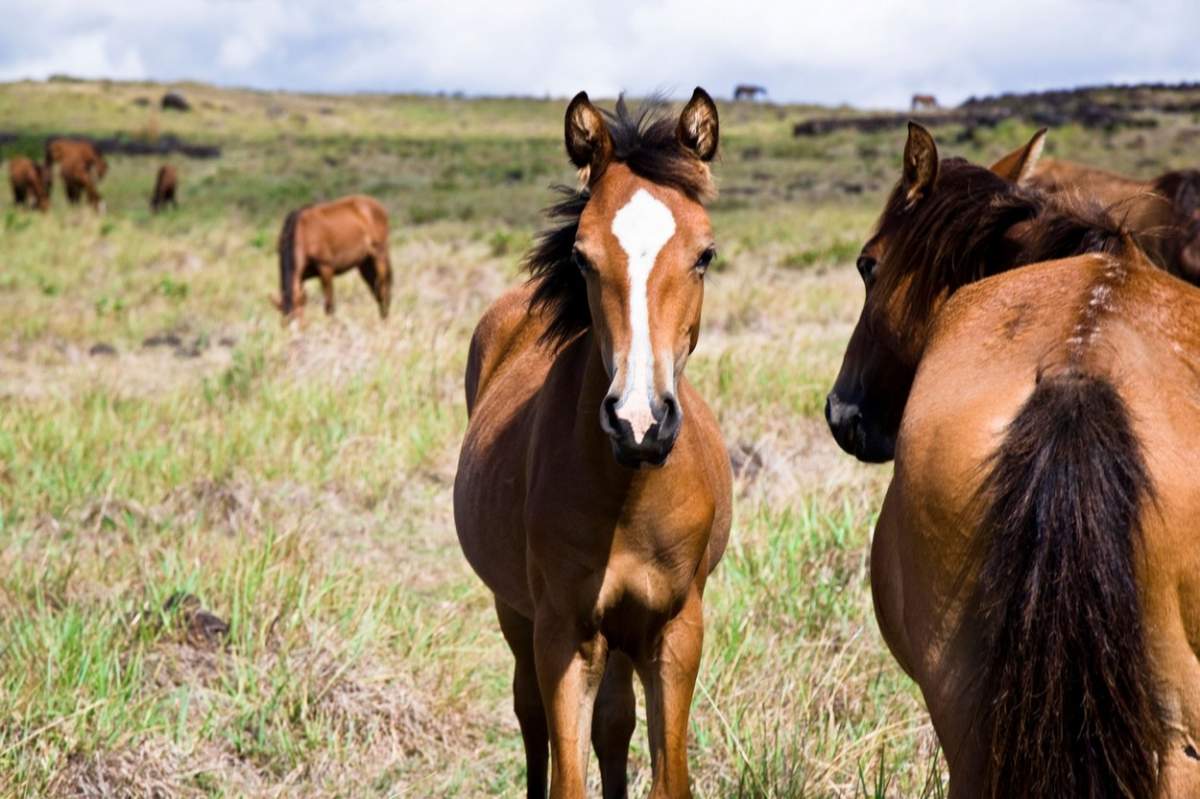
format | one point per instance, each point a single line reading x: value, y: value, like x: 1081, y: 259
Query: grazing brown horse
x: 1035, y: 567
x: 1163, y: 213
x: 593, y: 487
x: 327, y: 239
x: 30, y: 183
x: 81, y: 166
x: 164, y: 188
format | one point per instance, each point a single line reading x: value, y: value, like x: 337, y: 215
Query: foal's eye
x: 705, y: 259
x: 866, y: 267
x: 581, y: 261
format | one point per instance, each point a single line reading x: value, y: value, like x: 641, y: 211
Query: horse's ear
x: 1017, y: 166
x: 589, y: 143
x: 699, y: 128
x: 920, y: 164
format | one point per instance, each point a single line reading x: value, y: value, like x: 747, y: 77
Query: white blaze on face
x: 642, y: 228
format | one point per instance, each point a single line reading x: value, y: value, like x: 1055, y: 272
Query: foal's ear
x: 920, y: 164
x: 699, y: 128
x: 1017, y: 166
x: 589, y: 143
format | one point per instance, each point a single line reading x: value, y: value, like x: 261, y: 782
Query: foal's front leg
x: 570, y: 666
x: 669, y: 680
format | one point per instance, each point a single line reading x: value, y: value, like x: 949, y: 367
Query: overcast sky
x: 865, y: 53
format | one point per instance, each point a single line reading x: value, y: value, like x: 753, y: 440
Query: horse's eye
x: 581, y: 261
x: 866, y: 267
x: 705, y: 259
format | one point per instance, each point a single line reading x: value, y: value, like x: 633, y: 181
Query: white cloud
x: 84, y: 55
x: 869, y: 53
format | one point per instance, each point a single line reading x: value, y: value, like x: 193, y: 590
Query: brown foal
x: 593, y: 488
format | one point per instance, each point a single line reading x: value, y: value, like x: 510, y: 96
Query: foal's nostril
x: 610, y: 413
x: 668, y: 423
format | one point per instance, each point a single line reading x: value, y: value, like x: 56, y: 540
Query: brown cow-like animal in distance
x: 30, y: 183
x: 81, y: 166
x: 164, y: 188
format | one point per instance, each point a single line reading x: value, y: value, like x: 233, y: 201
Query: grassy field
x: 173, y: 460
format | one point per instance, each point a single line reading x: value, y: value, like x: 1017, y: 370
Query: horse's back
x: 343, y: 231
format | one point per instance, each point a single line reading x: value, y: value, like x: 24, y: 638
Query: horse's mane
x: 646, y: 142
x: 963, y: 232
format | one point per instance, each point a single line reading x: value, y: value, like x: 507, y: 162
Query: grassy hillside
x: 172, y: 458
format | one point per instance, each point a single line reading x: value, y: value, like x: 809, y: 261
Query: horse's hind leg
x: 527, y: 699
x: 383, y: 279
x: 376, y: 271
x: 18, y: 194
x: 613, y: 723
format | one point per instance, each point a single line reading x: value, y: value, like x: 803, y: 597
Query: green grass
x: 296, y: 481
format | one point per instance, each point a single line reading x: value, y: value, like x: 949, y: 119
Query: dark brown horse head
x: 1182, y: 189
x: 947, y: 223
x: 629, y: 264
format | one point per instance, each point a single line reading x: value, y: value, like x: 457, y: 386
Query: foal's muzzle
x: 658, y: 440
x: 854, y: 432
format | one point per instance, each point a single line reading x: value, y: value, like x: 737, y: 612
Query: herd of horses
x: 1028, y: 354
x: 81, y: 166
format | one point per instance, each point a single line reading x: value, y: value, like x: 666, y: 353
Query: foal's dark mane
x: 646, y: 142
x: 963, y: 232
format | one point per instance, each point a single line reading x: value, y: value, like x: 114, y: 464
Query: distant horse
x: 920, y: 101
x: 81, y: 166
x: 164, y: 188
x: 1163, y: 213
x: 748, y: 91
x: 327, y: 239
x: 1035, y: 566
x: 30, y: 183
x: 593, y: 487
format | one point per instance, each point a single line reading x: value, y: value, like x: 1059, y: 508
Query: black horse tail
x: 287, y: 261
x: 1067, y: 708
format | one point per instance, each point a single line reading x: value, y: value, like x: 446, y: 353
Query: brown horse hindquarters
x: 971, y: 396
